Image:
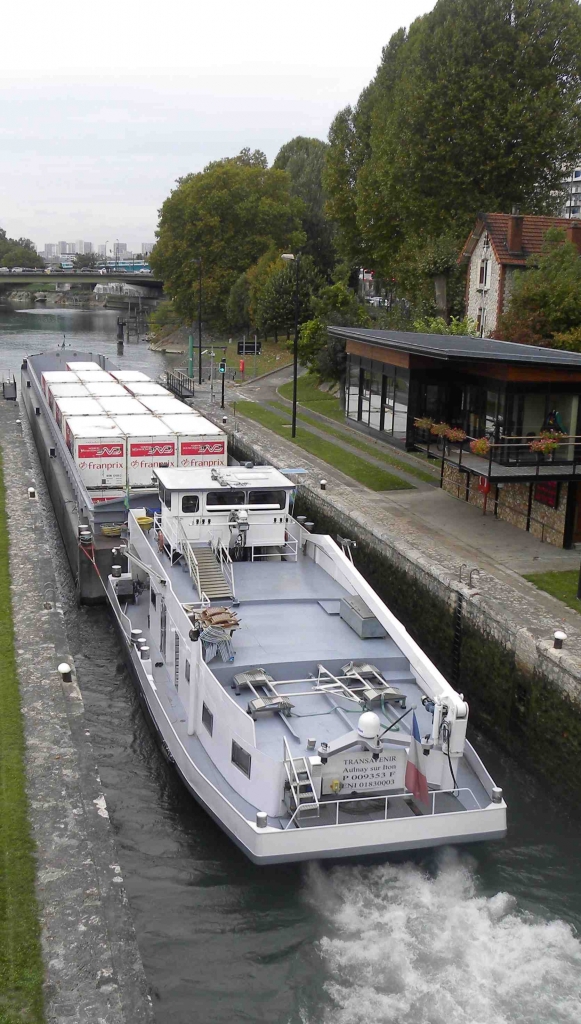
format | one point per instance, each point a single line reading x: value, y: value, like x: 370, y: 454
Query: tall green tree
x: 229, y: 214
x: 304, y: 160
x: 476, y: 107
x: 336, y: 304
x: 275, y: 305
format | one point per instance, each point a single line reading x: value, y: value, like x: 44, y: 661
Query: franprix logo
x: 159, y: 448
x: 100, y: 451
x: 202, y: 448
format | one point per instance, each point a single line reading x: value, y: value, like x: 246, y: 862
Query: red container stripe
x: 100, y: 451
x: 152, y: 448
x: 202, y: 448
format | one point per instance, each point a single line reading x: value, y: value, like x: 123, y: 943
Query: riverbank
x: 92, y: 967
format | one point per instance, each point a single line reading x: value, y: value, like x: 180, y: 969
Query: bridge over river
x: 11, y: 282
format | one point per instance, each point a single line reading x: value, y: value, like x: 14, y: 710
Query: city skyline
x: 50, y: 250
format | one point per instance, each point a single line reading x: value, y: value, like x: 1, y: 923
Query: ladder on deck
x: 301, y: 785
x: 211, y: 577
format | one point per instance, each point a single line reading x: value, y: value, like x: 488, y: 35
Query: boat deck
x: 290, y: 632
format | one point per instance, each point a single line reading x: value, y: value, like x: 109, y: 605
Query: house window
x: 577, y: 174
x: 484, y: 274
x: 208, y: 720
x: 241, y: 758
x: 190, y: 503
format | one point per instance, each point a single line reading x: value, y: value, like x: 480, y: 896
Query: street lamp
x: 297, y: 259
x: 198, y: 260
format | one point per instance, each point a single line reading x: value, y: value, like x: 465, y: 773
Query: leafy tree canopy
x: 304, y: 161
x: 18, y: 252
x: 323, y: 355
x: 275, y: 303
x: 87, y: 259
x: 229, y: 214
x: 475, y: 107
x: 545, y: 302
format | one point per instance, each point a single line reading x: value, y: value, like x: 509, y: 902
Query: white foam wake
x: 408, y: 948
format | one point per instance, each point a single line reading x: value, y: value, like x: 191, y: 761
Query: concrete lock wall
x: 522, y: 692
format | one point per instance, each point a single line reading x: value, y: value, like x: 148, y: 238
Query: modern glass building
x: 504, y: 392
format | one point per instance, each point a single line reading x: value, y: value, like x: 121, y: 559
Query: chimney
x: 573, y: 232
x: 514, y: 234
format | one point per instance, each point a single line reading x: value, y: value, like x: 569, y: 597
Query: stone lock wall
x: 546, y: 523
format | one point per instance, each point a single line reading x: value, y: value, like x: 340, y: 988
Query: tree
x: 229, y: 215
x: 238, y: 305
x: 275, y: 305
x: 87, y: 259
x: 545, y: 302
x: 338, y: 305
x: 475, y: 107
x: 304, y: 160
x: 18, y: 252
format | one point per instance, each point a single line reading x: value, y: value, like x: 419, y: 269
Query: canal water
x: 481, y: 935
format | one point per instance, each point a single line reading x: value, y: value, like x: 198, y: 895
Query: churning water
x: 411, y: 946
x: 485, y: 936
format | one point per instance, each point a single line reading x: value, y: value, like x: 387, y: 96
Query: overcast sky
x: 103, y: 105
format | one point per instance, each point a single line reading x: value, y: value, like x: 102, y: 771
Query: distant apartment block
x: 146, y: 248
x: 102, y: 250
x: 572, y: 206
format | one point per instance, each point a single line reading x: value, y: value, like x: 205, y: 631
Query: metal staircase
x: 210, y: 576
x: 300, y: 782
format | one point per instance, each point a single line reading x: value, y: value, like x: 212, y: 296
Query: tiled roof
x: 534, y: 231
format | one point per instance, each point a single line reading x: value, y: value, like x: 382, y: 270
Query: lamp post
x: 198, y: 260
x: 297, y: 259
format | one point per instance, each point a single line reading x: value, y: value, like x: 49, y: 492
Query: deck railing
x: 222, y: 555
x: 511, y: 450
x: 338, y: 804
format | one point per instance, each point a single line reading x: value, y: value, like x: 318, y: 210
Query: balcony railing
x: 509, y: 451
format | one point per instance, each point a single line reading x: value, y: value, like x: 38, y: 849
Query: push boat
x: 285, y: 692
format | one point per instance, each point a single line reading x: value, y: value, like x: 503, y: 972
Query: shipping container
x: 57, y: 377
x: 66, y: 407
x: 150, y: 444
x: 139, y: 388
x: 162, y: 406
x: 56, y: 391
x: 130, y: 375
x: 126, y: 406
x: 98, y: 447
x: 94, y: 376
x: 106, y: 389
x: 76, y: 366
x: 199, y: 442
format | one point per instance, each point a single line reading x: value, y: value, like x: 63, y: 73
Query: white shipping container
x: 56, y: 391
x: 199, y: 442
x: 126, y: 406
x: 76, y: 366
x: 99, y: 450
x: 150, y: 444
x: 162, y: 406
x: 130, y: 375
x: 94, y: 376
x: 57, y: 377
x: 139, y: 388
x: 106, y: 389
x: 66, y: 407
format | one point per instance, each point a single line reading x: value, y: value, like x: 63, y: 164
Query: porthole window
x: 241, y: 758
x: 207, y: 719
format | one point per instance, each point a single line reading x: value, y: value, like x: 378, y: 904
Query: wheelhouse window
x: 241, y: 758
x: 272, y: 499
x: 190, y: 503
x: 208, y: 719
x: 165, y: 496
x: 225, y: 499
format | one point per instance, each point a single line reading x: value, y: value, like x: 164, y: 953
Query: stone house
x: 498, y: 248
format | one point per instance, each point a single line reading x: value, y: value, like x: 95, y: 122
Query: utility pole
x: 190, y: 356
x: 255, y: 348
x: 200, y: 320
x: 212, y: 376
x: 223, y: 375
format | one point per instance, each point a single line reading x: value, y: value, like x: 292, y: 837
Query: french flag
x: 415, y: 780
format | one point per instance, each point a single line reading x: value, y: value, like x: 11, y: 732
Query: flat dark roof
x: 460, y: 346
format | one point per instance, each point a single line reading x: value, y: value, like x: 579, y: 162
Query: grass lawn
x: 372, y: 477
x: 21, y: 970
x: 273, y: 356
x: 562, y: 585
x: 377, y: 453
x: 309, y: 395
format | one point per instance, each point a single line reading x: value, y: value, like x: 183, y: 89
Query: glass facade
x: 377, y: 396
